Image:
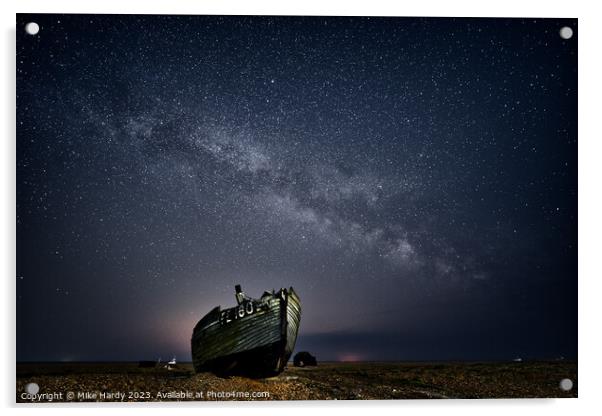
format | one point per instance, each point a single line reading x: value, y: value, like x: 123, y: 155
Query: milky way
x: 414, y: 179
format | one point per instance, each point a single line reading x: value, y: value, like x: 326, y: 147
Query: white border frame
x: 590, y: 205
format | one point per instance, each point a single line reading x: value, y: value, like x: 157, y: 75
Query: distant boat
x: 256, y: 337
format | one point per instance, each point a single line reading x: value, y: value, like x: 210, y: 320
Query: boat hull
x: 256, y: 338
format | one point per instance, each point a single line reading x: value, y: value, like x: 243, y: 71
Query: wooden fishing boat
x: 254, y: 338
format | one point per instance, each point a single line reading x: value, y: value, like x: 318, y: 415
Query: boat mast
x: 240, y: 296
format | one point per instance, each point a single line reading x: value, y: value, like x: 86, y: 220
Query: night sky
x: 414, y: 179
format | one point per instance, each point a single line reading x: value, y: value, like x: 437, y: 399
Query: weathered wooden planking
x: 259, y: 332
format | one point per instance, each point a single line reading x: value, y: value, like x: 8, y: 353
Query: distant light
x: 32, y: 28
x: 350, y: 357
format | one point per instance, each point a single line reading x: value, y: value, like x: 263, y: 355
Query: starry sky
x: 414, y: 179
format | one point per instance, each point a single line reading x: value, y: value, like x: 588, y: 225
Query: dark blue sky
x: 414, y: 179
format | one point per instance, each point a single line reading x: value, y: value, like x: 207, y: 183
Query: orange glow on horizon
x: 350, y: 357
